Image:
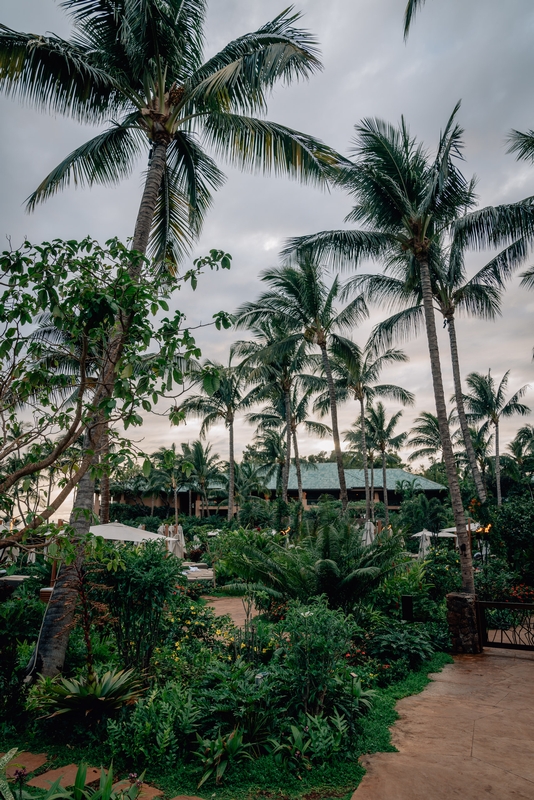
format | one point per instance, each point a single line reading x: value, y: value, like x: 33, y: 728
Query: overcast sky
x: 479, y: 51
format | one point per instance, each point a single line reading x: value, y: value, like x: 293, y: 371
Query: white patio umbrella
x: 118, y: 532
x: 368, y: 532
x: 473, y: 526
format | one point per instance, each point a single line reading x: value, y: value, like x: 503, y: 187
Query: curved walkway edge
x: 469, y: 735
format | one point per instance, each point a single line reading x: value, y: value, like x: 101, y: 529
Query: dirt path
x: 469, y: 735
x: 233, y: 606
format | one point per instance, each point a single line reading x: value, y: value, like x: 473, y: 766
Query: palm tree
x: 154, y: 486
x: 169, y: 463
x: 274, y: 361
x: 487, y: 403
x: 271, y: 455
x: 249, y: 482
x: 299, y: 293
x: 202, y: 469
x: 356, y: 371
x: 273, y: 417
x: 425, y: 435
x: 382, y: 432
x: 222, y: 399
x: 408, y: 204
x: 144, y: 67
x: 479, y: 296
x: 522, y: 451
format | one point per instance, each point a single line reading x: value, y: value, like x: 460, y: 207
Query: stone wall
x: 462, y: 620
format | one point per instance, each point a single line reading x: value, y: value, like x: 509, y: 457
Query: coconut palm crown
x: 140, y: 68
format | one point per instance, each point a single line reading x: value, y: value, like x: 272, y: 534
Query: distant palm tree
x: 271, y: 454
x: 425, y: 435
x: 222, y: 398
x: 487, y: 403
x: 273, y: 417
x: 143, y: 65
x: 155, y: 485
x: 202, y: 469
x: 356, y: 371
x: 408, y: 204
x: 522, y: 451
x: 274, y: 362
x: 300, y: 294
x: 169, y: 463
x: 382, y: 432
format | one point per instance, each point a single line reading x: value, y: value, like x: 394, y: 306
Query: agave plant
x: 93, y: 695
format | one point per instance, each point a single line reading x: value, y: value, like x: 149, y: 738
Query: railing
x: 506, y: 625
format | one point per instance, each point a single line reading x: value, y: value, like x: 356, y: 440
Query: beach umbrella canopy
x: 118, y: 532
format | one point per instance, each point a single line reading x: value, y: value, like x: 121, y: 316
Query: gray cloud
x: 480, y: 52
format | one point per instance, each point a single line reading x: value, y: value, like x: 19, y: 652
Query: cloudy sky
x: 478, y: 51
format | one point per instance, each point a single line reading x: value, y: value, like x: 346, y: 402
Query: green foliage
x: 93, y: 694
x: 20, y: 620
x: 216, y: 755
x: 159, y: 728
x: 417, y: 512
x: 5, y: 789
x: 494, y: 580
x: 513, y: 524
x: 442, y: 571
x: 402, y: 640
x: 136, y: 597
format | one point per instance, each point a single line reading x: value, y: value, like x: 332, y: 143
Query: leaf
x: 147, y: 467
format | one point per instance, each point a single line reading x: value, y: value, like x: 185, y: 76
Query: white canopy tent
x: 118, y: 532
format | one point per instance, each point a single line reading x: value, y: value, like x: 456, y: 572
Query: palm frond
x: 260, y: 145
x: 522, y: 144
x: 338, y: 249
x: 56, y: 75
x: 105, y: 160
x: 411, y: 9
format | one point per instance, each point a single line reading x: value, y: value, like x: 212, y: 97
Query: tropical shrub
x: 92, y: 694
x: 159, y: 728
x: 494, y: 580
x: 216, y: 755
x: 401, y: 640
x: 137, y: 596
x: 511, y: 536
x: 442, y: 572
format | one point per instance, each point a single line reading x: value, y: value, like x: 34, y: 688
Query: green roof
x: 324, y: 477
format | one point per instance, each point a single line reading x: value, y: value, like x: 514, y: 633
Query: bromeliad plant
x: 216, y: 755
x: 91, y: 695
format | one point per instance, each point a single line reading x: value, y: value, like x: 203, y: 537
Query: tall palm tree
x: 487, y: 403
x: 143, y: 65
x: 222, y: 398
x: 356, y: 371
x: 409, y: 203
x: 453, y: 293
x: 383, y: 434
x: 274, y: 361
x: 299, y: 293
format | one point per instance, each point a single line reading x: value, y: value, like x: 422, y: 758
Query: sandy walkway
x: 469, y: 735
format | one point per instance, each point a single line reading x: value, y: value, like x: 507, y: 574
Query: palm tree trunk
x: 335, y: 428
x: 498, y: 465
x: 372, y: 491
x: 365, y: 464
x: 470, y: 450
x: 287, y: 462
x: 149, y: 199
x: 385, y: 486
x: 231, y: 472
x: 466, y: 562
x: 104, y: 481
x: 297, y: 465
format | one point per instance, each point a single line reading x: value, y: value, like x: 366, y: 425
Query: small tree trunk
x: 175, y: 490
x: 470, y: 450
x: 385, y: 485
x: 365, y: 464
x: 466, y: 562
x: 297, y: 464
x: 231, y: 471
x: 498, y: 465
x: 335, y: 428
x: 372, y: 491
x: 104, y: 481
x: 287, y: 462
